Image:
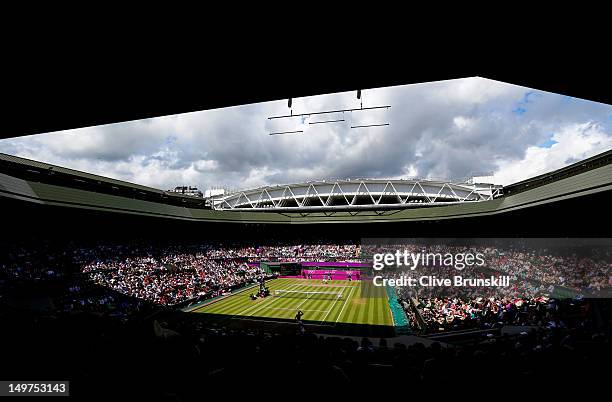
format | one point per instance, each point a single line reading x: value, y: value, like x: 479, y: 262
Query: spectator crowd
x: 538, y: 278
x: 163, y: 353
x: 166, y: 274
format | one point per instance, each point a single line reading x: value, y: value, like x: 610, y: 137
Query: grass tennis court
x: 360, y: 302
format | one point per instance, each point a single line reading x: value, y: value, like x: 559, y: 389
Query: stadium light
x: 326, y: 112
x: 287, y: 116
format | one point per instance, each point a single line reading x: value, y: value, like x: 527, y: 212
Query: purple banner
x: 334, y: 264
x: 318, y: 264
x: 335, y: 274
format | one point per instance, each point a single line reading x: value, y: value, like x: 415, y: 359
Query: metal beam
x: 326, y: 121
x: 287, y: 132
x: 371, y: 125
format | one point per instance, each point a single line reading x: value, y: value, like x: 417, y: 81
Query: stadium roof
x: 70, y: 178
x: 39, y: 183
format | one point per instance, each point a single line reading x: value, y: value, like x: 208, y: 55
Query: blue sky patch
x: 528, y: 97
x: 548, y: 143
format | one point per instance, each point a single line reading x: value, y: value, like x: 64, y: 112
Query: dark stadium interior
x: 143, y: 350
x: 143, y: 360
x: 93, y: 349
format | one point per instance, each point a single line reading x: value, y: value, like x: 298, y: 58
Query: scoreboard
x: 283, y: 268
x: 290, y: 269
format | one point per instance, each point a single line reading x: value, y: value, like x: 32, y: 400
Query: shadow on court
x: 287, y: 325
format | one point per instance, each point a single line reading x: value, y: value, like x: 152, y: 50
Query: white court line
x: 292, y: 309
x: 266, y: 306
x: 325, y: 286
x: 299, y: 305
x: 255, y: 305
x: 344, y: 305
x: 332, y: 307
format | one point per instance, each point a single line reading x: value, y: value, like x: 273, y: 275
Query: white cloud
x: 471, y: 91
x: 463, y: 123
x: 447, y: 129
x: 573, y: 143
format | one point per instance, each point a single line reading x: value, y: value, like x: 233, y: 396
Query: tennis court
x: 349, y: 302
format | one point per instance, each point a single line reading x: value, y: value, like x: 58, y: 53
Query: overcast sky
x: 447, y: 129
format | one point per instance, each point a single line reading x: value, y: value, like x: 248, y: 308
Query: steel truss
x: 355, y: 195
